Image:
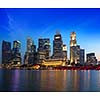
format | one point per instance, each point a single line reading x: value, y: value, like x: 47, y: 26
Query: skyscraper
x: 16, y: 53
x: 77, y: 54
x: 44, y: 46
x: 16, y: 46
x: 57, y: 46
x: 73, y: 48
x: 73, y: 41
x: 30, y: 44
x: 6, y: 53
x: 43, y: 49
x: 29, y: 57
x: 64, y: 50
x: 82, y: 56
x: 91, y: 59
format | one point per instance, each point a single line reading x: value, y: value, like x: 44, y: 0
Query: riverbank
x: 55, y: 68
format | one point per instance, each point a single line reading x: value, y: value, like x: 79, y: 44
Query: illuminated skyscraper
x: 44, y: 46
x: 82, y: 56
x: 30, y: 44
x: 43, y: 49
x: 6, y: 53
x: 64, y: 50
x: 16, y: 46
x: 77, y: 55
x: 57, y: 46
x: 73, y: 48
x: 73, y: 41
x: 16, y: 53
x: 30, y: 53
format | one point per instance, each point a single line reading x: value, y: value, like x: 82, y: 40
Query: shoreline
x: 54, y: 68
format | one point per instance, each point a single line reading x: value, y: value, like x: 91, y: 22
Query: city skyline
x: 42, y: 54
x: 17, y: 24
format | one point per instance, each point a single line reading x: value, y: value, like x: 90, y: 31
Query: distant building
x: 57, y: 46
x: 29, y: 57
x: 6, y: 53
x: 16, y: 54
x: 82, y: 56
x: 91, y: 59
x: 43, y: 49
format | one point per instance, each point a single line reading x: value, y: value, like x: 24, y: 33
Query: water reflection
x: 49, y: 80
x: 15, y: 80
x: 84, y: 80
x: 98, y: 80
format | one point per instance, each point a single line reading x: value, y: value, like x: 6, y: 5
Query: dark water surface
x: 49, y: 80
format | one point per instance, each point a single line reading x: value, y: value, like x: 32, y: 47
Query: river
x: 49, y: 80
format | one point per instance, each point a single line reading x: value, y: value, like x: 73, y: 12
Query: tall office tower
x: 64, y: 50
x: 77, y: 55
x: 91, y: 59
x: 16, y: 46
x: 73, y: 48
x: 43, y: 49
x: 6, y: 53
x: 30, y: 44
x: 73, y: 41
x: 16, y: 54
x: 29, y: 57
x: 82, y: 56
x: 57, y: 46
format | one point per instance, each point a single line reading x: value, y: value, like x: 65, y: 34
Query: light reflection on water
x: 50, y: 80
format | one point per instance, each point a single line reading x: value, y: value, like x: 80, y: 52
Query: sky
x: 20, y: 23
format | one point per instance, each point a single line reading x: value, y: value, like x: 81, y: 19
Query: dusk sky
x: 18, y: 24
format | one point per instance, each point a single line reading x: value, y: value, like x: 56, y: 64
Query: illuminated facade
x: 77, y: 55
x: 64, y: 50
x: 57, y: 46
x: 73, y: 48
x: 73, y: 41
x: 6, y: 53
x: 16, y: 46
x: 54, y: 62
x: 30, y: 45
x: 16, y: 54
x: 82, y: 56
x: 29, y: 57
x: 43, y: 49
